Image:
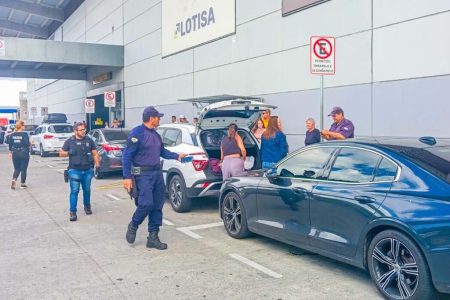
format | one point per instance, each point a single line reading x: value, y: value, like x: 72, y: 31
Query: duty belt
x: 139, y: 170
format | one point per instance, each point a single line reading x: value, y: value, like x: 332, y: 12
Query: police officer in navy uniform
x: 141, y: 159
x: 19, y: 152
x: 82, y: 157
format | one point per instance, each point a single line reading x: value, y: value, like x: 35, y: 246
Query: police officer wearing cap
x: 341, y: 128
x: 141, y: 159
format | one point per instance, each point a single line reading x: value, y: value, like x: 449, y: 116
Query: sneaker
x: 13, y: 185
x: 87, y: 210
x: 73, y: 216
x: 23, y: 186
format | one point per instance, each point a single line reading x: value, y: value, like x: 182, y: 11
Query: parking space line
x: 113, y: 197
x: 190, y: 233
x: 50, y: 166
x: 188, y: 230
x: 167, y: 222
x: 255, y: 265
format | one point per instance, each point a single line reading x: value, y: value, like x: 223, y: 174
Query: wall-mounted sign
x: 188, y: 23
x: 110, y: 99
x: 33, y: 111
x: 322, y: 54
x: 44, y: 111
x: 89, y: 106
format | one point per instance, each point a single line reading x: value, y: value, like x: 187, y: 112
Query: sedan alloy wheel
x: 398, y: 268
x: 234, y: 217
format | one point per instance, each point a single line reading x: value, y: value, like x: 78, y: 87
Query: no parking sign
x: 89, y: 106
x: 110, y: 99
x: 322, y: 54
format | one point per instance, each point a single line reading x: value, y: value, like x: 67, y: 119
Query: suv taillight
x: 199, y: 165
x: 48, y: 136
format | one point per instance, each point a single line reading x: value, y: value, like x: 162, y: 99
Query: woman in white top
x: 259, y: 129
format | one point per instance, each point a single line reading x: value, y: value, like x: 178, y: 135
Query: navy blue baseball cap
x: 150, y: 111
x: 336, y: 110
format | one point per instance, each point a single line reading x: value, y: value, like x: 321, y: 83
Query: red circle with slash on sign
x: 326, y: 52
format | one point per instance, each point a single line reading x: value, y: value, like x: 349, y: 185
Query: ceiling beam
x: 56, y: 14
x: 39, y: 32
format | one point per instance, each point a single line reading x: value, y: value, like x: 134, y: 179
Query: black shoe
x: 154, y: 242
x: 23, y: 186
x: 131, y: 233
x: 73, y: 216
x: 87, y: 209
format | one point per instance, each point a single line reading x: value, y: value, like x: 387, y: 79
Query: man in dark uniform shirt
x: 82, y: 156
x: 341, y: 129
x: 142, y: 156
x: 312, y: 135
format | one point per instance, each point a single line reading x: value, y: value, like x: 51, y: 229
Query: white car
x: 49, y: 138
x: 196, y: 178
x: 8, y: 131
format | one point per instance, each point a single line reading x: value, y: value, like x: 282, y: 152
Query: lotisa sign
x: 188, y: 23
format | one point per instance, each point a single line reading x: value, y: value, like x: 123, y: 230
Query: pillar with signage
x: 322, y: 61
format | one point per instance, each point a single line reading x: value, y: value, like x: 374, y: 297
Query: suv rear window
x: 60, y: 129
x: 116, y: 135
x: 436, y: 160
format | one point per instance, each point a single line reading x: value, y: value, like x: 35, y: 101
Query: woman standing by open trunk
x: 19, y: 151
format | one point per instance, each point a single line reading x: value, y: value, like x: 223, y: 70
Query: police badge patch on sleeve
x: 134, y: 140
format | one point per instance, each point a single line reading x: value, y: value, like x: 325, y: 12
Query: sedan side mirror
x: 31, y: 133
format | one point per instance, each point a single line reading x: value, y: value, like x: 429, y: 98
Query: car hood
x: 243, y: 113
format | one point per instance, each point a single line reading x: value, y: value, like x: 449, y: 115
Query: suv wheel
x: 42, y: 152
x: 177, y: 195
x: 398, y: 267
x: 234, y: 216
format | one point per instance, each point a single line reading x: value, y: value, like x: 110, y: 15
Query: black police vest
x: 82, y: 159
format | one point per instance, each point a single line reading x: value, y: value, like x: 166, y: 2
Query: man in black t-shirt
x: 82, y: 156
x: 312, y: 133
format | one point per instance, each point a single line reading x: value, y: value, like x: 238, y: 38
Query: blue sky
x: 9, y: 91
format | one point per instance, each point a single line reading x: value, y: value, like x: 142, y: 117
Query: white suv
x: 49, y: 138
x: 185, y: 181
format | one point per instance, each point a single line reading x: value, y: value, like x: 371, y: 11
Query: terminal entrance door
x: 105, y: 116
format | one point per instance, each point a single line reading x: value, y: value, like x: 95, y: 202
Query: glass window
x: 95, y: 136
x: 116, y: 135
x: 386, y: 171
x: 172, y: 137
x: 306, y: 164
x: 354, y: 165
x: 194, y: 139
x: 60, y: 129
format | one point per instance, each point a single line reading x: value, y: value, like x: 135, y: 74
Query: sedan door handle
x: 364, y: 199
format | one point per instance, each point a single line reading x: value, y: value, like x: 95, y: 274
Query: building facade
x: 392, y: 63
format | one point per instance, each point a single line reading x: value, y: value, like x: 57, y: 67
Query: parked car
x: 186, y: 181
x: 55, y: 118
x: 2, y: 134
x: 30, y: 128
x: 383, y: 205
x: 110, y: 144
x: 49, y: 138
x: 8, y: 131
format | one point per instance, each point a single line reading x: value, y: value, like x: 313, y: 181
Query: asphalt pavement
x: 45, y: 256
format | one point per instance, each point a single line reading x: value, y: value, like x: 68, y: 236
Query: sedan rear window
x: 60, y: 129
x: 116, y: 135
x: 435, y: 160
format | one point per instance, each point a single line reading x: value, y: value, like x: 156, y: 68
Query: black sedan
x: 110, y: 143
x: 383, y: 205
